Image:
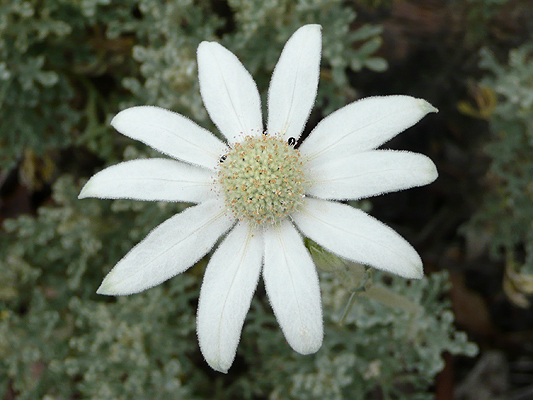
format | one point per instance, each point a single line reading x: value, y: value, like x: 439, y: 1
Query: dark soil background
x: 430, y: 42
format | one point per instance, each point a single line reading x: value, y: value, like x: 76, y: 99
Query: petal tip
x: 427, y: 107
x: 310, y: 32
x: 314, y: 27
x: 206, y: 46
x: 116, y: 121
x: 429, y: 169
x: 105, y: 289
x: 202, y: 46
x: 120, y: 121
x: 85, y: 192
x: 419, y: 274
x: 417, y: 271
x: 308, y: 346
x: 433, y: 173
x: 214, y: 360
x: 109, y: 288
x: 217, y: 366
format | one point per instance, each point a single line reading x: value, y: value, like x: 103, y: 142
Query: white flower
x: 264, y: 192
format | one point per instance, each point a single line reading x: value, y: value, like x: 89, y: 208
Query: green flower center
x: 262, y: 179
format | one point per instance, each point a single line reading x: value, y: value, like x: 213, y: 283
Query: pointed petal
x: 294, y: 83
x: 364, y: 125
x: 151, y: 179
x: 171, y: 134
x: 353, y: 234
x: 169, y: 249
x: 229, y: 93
x: 369, y: 174
x: 229, y: 284
x: 292, y: 286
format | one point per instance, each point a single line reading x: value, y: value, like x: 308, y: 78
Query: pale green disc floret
x: 262, y: 179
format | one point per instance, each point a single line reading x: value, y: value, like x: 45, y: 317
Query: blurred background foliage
x: 68, y: 66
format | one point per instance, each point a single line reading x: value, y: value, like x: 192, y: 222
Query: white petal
x: 364, y: 125
x: 171, y: 134
x: 368, y: 174
x: 229, y: 92
x: 292, y: 286
x: 169, y: 249
x: 229, y: 284
x: 294, y: 83
x: 353, y: 234
x: 151, y: 179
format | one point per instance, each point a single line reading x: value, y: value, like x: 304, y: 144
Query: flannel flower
x: 263, y: 194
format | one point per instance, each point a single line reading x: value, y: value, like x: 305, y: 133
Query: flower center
x: 262, y: 179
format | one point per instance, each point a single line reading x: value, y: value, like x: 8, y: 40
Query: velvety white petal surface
x: 151, y: 179
x: 368, y: 174
x: 294, y: 83
x: 363, y: 125
x: 171, y: 134
x: 229, y: 283
x: 229, y: 92
x: 353, y: 234
x: 292, y: 286
x: 169, y: 249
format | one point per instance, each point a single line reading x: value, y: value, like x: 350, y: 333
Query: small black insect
x: 223, y: 158
x: 291, y: 141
